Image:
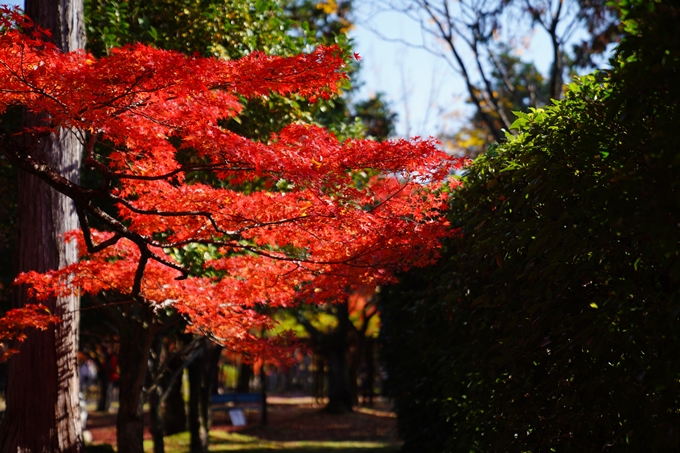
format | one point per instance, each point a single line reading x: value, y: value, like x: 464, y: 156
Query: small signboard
x: 238, y: 417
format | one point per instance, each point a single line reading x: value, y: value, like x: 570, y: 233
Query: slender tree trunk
x: 263, y: 396
x: 135, y: 344
x: 202, y: 381
x: 356, y: 355
x: 174, y: 415
x: 556, y: 69
x: 245, y: 373
x: 339, y: 392
x: 103, y: 402
x: 263, y: 388
x: 198, y: 425
x: 335, y: 346
x: 369, y: 354
x: 43, y: 410
x: 155, y: 398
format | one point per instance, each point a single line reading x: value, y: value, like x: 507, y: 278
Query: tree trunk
x: 43, y: 410
x: 339, y: 392
x: 174, y: 415
x: 135, y: 344
x: 202, y: 381
x: 103, y: 402
x: 198, y: 424
x: 245, y: 373
x: 334, y: 347
x: 155, y: 398
x: 263, y: 395
x: 319, y: 377
x: 355, y: 352
x: 369, y: 354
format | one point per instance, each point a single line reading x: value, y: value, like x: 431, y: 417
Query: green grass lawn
x: 224, y: 441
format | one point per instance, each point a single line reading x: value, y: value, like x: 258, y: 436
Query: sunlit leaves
x: 153, y: 122
x: 17, y: 322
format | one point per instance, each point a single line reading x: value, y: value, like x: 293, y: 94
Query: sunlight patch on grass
x: 221, y: 441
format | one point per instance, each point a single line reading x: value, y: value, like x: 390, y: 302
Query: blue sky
x: 422, y: 88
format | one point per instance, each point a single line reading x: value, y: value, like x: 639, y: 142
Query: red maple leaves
x: 315, y: 230
x: 17, y: 322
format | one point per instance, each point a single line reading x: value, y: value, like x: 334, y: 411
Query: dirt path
x: 291, y: 421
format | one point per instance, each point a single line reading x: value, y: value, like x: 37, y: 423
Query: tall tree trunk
x: 174, y: 415
x: 339, y: 391
x: 319, y: 377
x: 103, y: 402
x: 355, y: 352
x: 245, y: 373
x: 198, y: 423
x: 135, y: 344
x: 335, y: 348
x: 43, y: 410
x: 202, y: 381
x: 155, y: 397
x: 263, y: 396
x: 369, y: 357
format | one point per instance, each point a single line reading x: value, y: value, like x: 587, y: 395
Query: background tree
x: 475, y: 36
x: 338, y: 332
x: 552, y: 323
x: 519, y: 86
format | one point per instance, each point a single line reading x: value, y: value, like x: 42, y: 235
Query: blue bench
x: 226, y: 401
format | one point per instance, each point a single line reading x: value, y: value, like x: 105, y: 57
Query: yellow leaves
x: 328, y: 6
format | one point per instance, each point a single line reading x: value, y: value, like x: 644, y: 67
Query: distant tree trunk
x: 174, y: 414
x: 135, y: 344
x: 155, y: 396
x: 339, y: 391
x: 202, y: 378
x: 198, y: 411
x: 355, y: 352
x: 333, y: 347
x: 369, y: 360
x: 43, y: 410
x: 103, y: 377
x: 263, y: 396
x: 245, y: 373
x: 319, y: 377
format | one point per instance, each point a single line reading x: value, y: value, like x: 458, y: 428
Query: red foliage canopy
x: 139, y: 110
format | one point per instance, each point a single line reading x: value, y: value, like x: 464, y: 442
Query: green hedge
x: 552, y: 322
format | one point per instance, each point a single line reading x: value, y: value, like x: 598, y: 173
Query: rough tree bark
x: 43, y: 411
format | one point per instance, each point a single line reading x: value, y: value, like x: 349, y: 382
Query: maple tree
x: 151, y: 124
